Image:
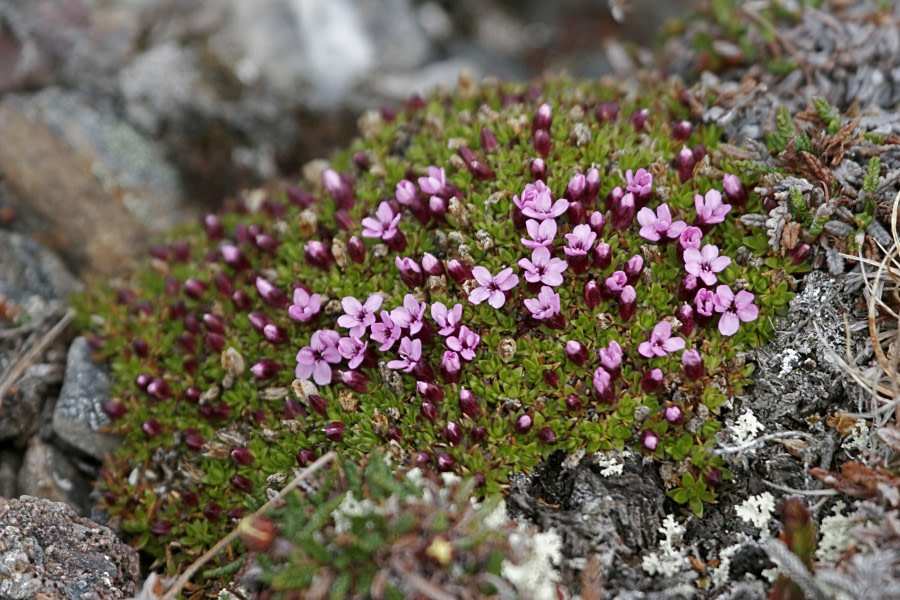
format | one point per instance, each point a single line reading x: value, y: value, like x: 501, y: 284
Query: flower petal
x: 479, y: 295
x: 728, y: 323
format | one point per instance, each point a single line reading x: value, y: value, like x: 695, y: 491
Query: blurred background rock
x: 120, y: 118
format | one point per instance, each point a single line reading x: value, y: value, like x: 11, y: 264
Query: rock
x: 102, y: 186
x: 78, y: 418
x: 47, y: 473
x: 28, y: 269
x: 49, y: 552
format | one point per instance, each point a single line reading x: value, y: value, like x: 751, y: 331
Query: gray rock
x: 28, y: 269
x: 78, y: 418
x: 49, y: 552
x: 47, y: 473
x: 21, y: 409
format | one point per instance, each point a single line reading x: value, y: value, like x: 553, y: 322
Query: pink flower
x: 491, y: 288
x: 537, y: 202
x: 405, y: 192
x: 580, y: 241
x: 710, y: 209
x: 640, y: 183
x: 705, y: 263
x: 611, y: 357
x: 690, y: 238
x: 450, y: 362
x: 447, y: 320
x: 434, y: 183
x: 353, y: 349
x: 410, y: 315
x: 545, y: 306
x: 358, y: 317
x: 542, y: 268
x: 305, y: 306
x: 314, y: 359
x: 410, y: 355
x: 385, y: 226
x: 387, y: 332
x: 655, y: 226
x: 465, y: 343
x: 603, y: 384
x: 661, y: 342
x: 614, y: 284
x: 734, y: 309
x: 703, y: 301
x: 541, y: 232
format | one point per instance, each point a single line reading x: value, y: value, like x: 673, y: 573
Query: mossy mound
x: 204, y: 342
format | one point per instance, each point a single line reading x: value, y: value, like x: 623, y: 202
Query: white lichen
x: 535, y: 576
x: 611, y: 463
x: 745, y: 428
x: 722, y: 573
x: 757, y: 511
x: 835, y: 530
x: 671, y: 558
x: 351, y: 507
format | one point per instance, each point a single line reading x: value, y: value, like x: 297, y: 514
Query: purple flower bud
x: 523, y: 424
x: 393, y: 433
x: 343, y: 220
x: 488, y: 140
x: 194, y: 288
x: 159, y: 388
x: 299, y: 197
x: 592, y: 295
x: 258, y: 321
x: 542, y: 118
x: 213, y: 323
x: 649, y: 440
x: 187, y: 342
x: 547, y: 436
x: 673, y: 414
x: 233, y: 257
x: 193, y: 394
x: 362, y: 160
x: 602, y: 256
x: 214, y: 342
x: 633, y: 268
x: 478, y: 433
x: 339, y: 188
x: 480, y: 171
x: 575, y: 188
x: 114, y: 409
x: 140, y: 347
x: 687, y: 289
x: 270, y: 294
x: 607, y: 112
x: 538, y: 170
x: 576, y: 213
x: 152, y: 427
x: 734, y: 190
x: 438, y: 208
x: 355, y: 380
x: 428, y: 411
x: 445, y: 462
x: 592, y: 187
x: 241, y: 300
x: 306, y: 456
x: 699, y: 153
x: 452, y: 433
x: 603, y: 385
x: 212, y: 511
x: 318, y: 404
x: 223, y: 283
x: 265, y: 368
x: 397, y: 242
x: 468, y: 404
x: 241, y: 483
x: 651, y: 380
x: 551, y: 378
x: 159, y: 252
x: 576, y: 352
x: 161, y: 528
x: 574, y: 403
x: 192, y: 323
x: 639, y: 118
x: 681, y: 131
x: 241, y: 456
x: 459, y: 271
x: 193, y: 439
x: 693, y: 364
x: 432, y: 265
x: 597, y: 222
x: 769, y: 204
x: 713, y: 477
x: 429, y: 391
x: 623, y: 212
x: 542, y: 142
x: 143, y: 381
x: 317, y: 254
x: 684, y: 164
x: 685, y: 314
x: 213, y: 227
x: 275, y: 334
x: 410, y: 271
x: 266, y: 242
x: 334, y: 431
x: 627, y: 302
x: 356, y: 249
x: 799, y: 254
x: 613, y: 198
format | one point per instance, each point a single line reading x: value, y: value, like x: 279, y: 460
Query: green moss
x: 164, y: 478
